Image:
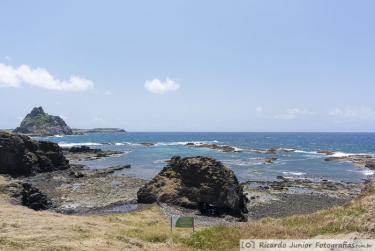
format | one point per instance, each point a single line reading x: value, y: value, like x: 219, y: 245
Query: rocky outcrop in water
x: 198, y: 183
x: 220, y: 148
x: 78, y: 153
x: 21, y: 156
x: 37, y: 122
x: 98, y: 130
x: 367, y: 161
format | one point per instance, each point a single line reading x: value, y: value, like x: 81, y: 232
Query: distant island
x: 98, y: 130
x: 40, y: 123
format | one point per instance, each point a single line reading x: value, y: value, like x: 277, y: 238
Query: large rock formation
x: 21, y: 156
x: 40, y: 123
x: 199, y: 183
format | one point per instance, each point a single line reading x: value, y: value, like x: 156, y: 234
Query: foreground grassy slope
x: 24, y: 229
x: 356, y: 219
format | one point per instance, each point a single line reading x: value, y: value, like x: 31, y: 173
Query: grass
x: 358, y: 217
x: 24, y: 229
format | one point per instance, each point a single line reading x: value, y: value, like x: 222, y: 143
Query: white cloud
x: 353, y: 113
x: 8, y: 58
x: 160, y: 87
x: 293, y: 113
x: 259, y: 109
x: 40, y: 77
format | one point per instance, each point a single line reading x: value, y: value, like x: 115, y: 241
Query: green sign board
x: 182, y: 221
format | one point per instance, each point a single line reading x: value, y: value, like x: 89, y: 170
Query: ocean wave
x: 341, y: 154
x: 160, y: 161
x: 182, y: 143
x: 308, y: 152
x: 243, y: 162
x: 64, y: 144
x: 294, y: 173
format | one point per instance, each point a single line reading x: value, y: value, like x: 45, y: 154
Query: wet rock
x: 327, y: 152
x: 270, y: 160
x: 364, y: 161
x: 113, y: 169
x: 86, y: 153
x: 221, y: 148
x: 21, y: 156
x: 198, y: 183
x: 278, y: 150
x: 146, y: 144
x: 83, y: 149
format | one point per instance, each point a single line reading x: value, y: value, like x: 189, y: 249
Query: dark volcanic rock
x: 199, y: 183
x: 21, y: 156
x: 83, y: 149
x: 78, y: 153
x: 33, y: 198
x: 40, y: 123
x: 221, y: 148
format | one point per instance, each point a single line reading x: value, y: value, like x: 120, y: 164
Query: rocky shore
x: 79, y: 190
x: 220, y: 148
x: 199, y: 186
x: 285, y: 197
x: 80, y: 153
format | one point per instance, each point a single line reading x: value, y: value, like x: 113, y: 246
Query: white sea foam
x: 160, y: 161
x: 182, y: 143
x: 368, y: 172
x: 294, y: 173
x: 340, y: 154
x: 308, y: 152
x: 119, y: 144
x: 58, y: 136
x: 243, y: 162
x: 64, y: 144
x: 237, y: 149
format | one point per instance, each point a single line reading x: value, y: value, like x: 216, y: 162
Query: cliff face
x: 40, y: 123
x: 21, y: 156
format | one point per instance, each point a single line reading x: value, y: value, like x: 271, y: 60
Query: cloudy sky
x: 190, y: 65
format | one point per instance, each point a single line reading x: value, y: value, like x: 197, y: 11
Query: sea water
x: 303, y: 162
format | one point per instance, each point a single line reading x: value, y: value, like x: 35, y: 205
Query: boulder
x: 32, y: 198
x: 38, y: 122
x: 21, y: 156
x: 199, y: 183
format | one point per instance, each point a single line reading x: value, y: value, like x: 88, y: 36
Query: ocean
x: 304, y: 162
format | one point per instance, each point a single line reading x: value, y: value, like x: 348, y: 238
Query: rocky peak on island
x: 38, y: 122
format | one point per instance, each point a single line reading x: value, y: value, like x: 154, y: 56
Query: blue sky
x: 190, y: 65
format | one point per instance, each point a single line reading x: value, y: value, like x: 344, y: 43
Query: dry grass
x: 358, y: 217
x: 24, y: 229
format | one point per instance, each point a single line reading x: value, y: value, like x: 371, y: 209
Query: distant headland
x: 40, y: 123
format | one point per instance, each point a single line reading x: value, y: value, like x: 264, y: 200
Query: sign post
x: 182, y: 222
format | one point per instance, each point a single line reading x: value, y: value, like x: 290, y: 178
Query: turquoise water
x: 146, y: 161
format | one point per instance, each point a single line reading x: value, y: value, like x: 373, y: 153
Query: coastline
x: 88, y: 205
